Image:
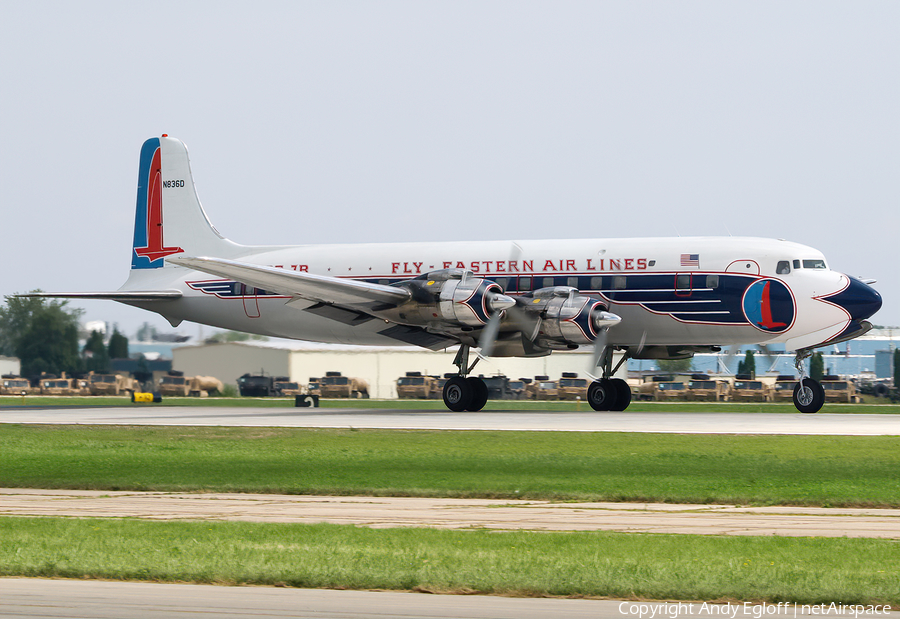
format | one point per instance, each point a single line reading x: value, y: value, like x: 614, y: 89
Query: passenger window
x: 783, y: 267
x: 683, y: 285
x: 573, y: 282
x: 547, y: 282
x: 619, y: 282
x: 712, y: 281
x: 796, y: 264
x: 525, y: 283
x: 502, y: 282
x: 596, y: 283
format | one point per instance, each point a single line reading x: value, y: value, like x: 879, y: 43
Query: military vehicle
x: 783, y: 390
x: 16, y: 385
x: 314, y: 387
x: 516, y: 389
x: 333, y: 385
x: 542, y: 388
x: 839, y: 390
x: 648, y: 389
x: 111, y: 384
x: 416, y: 386
x: 256, y: 386
x: 745, y: 389
x: 498, y: 386
x: 703, y: 388
x: 285, y: 387
x: 176, y: 384
x: 670, y: 391
x: 571, y: 387
x: 51, y: 385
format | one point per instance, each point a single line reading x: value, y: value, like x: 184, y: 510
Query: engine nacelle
x: 569, y: 319
x: 450, y: 297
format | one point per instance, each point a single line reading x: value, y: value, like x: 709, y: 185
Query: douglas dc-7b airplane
x: 652, y: 298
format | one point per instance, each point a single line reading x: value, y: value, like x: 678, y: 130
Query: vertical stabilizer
x: 168, y: 217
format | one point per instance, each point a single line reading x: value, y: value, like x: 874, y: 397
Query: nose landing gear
x: 809, y: 396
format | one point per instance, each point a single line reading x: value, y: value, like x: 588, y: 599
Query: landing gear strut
x: 609, y: 394
x: 809, y: 396
x: 463, y: 393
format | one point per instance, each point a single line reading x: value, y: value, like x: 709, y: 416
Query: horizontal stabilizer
x: 321, y: 288
x: 119, y: 295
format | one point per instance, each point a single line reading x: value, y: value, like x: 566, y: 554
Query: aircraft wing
x: 117, y: 295
x: 319, y: 288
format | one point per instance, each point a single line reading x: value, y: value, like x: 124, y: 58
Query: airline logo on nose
x: 769, y: 306
x: 149, y: 246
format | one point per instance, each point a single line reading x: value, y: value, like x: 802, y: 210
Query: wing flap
x: 320, y: 288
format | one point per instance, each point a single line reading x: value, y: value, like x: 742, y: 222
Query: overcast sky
x: 343, y: 122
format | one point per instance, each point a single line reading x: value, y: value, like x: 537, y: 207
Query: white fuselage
x: 668, y: 291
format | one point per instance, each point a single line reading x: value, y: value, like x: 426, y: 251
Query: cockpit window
x: 783, y: 267
x: 814, y: 264
x: 796, y: 264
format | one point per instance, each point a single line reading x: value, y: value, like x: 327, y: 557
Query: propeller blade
x: 528, y: 323
x: 489, y: 335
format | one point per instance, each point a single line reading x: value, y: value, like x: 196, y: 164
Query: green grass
x: 437, y: 405
x: 673, y: 567
x: 799, y: 470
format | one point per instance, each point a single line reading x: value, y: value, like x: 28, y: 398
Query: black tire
x: 479, y: 394
x: 623, y: 394
x: 457, y: 394
x: 602, y: 394
x: 809, y: 396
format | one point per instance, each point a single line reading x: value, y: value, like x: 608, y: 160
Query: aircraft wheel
x: 623, y: 394
x: 458, y: 394
x: 602, y: 394
x: 809, y: 396
x: 479, y: 394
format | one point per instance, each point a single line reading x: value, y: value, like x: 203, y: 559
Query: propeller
x: 498, y: 304
x: 602, y: 322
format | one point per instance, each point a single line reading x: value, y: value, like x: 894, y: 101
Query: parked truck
x: 176, y: 384
x: 839, y: 390
x: 16, y: 385
x: 256, y: 386
x: 285, y: 387
x: 571, y: 387
x: 745, y: 389
x: 542, y: 388
x: 416, y: 386
x: 703, y: 388
x: 51, y: 385
x: 333, y: 385
x: 111, y: 384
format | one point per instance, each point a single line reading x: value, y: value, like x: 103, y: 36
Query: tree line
x: 43, y: 334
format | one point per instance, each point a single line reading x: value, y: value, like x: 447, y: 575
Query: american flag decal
x: 690, y: 260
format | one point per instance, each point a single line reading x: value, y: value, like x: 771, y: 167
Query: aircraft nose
x: 859, y: 299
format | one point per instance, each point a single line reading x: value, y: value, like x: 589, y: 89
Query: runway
x: 386, y: 512
x: 585, y: 421
x: 51, y: 599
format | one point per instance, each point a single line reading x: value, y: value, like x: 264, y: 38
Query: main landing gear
x: 609, y: 394
x: 809, y: 396
x: 463, y: 393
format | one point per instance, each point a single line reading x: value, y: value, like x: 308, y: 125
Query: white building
x: 379, y: 366
x: 10, y: 365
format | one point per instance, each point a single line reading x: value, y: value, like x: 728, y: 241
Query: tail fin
x: 166, y: 195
